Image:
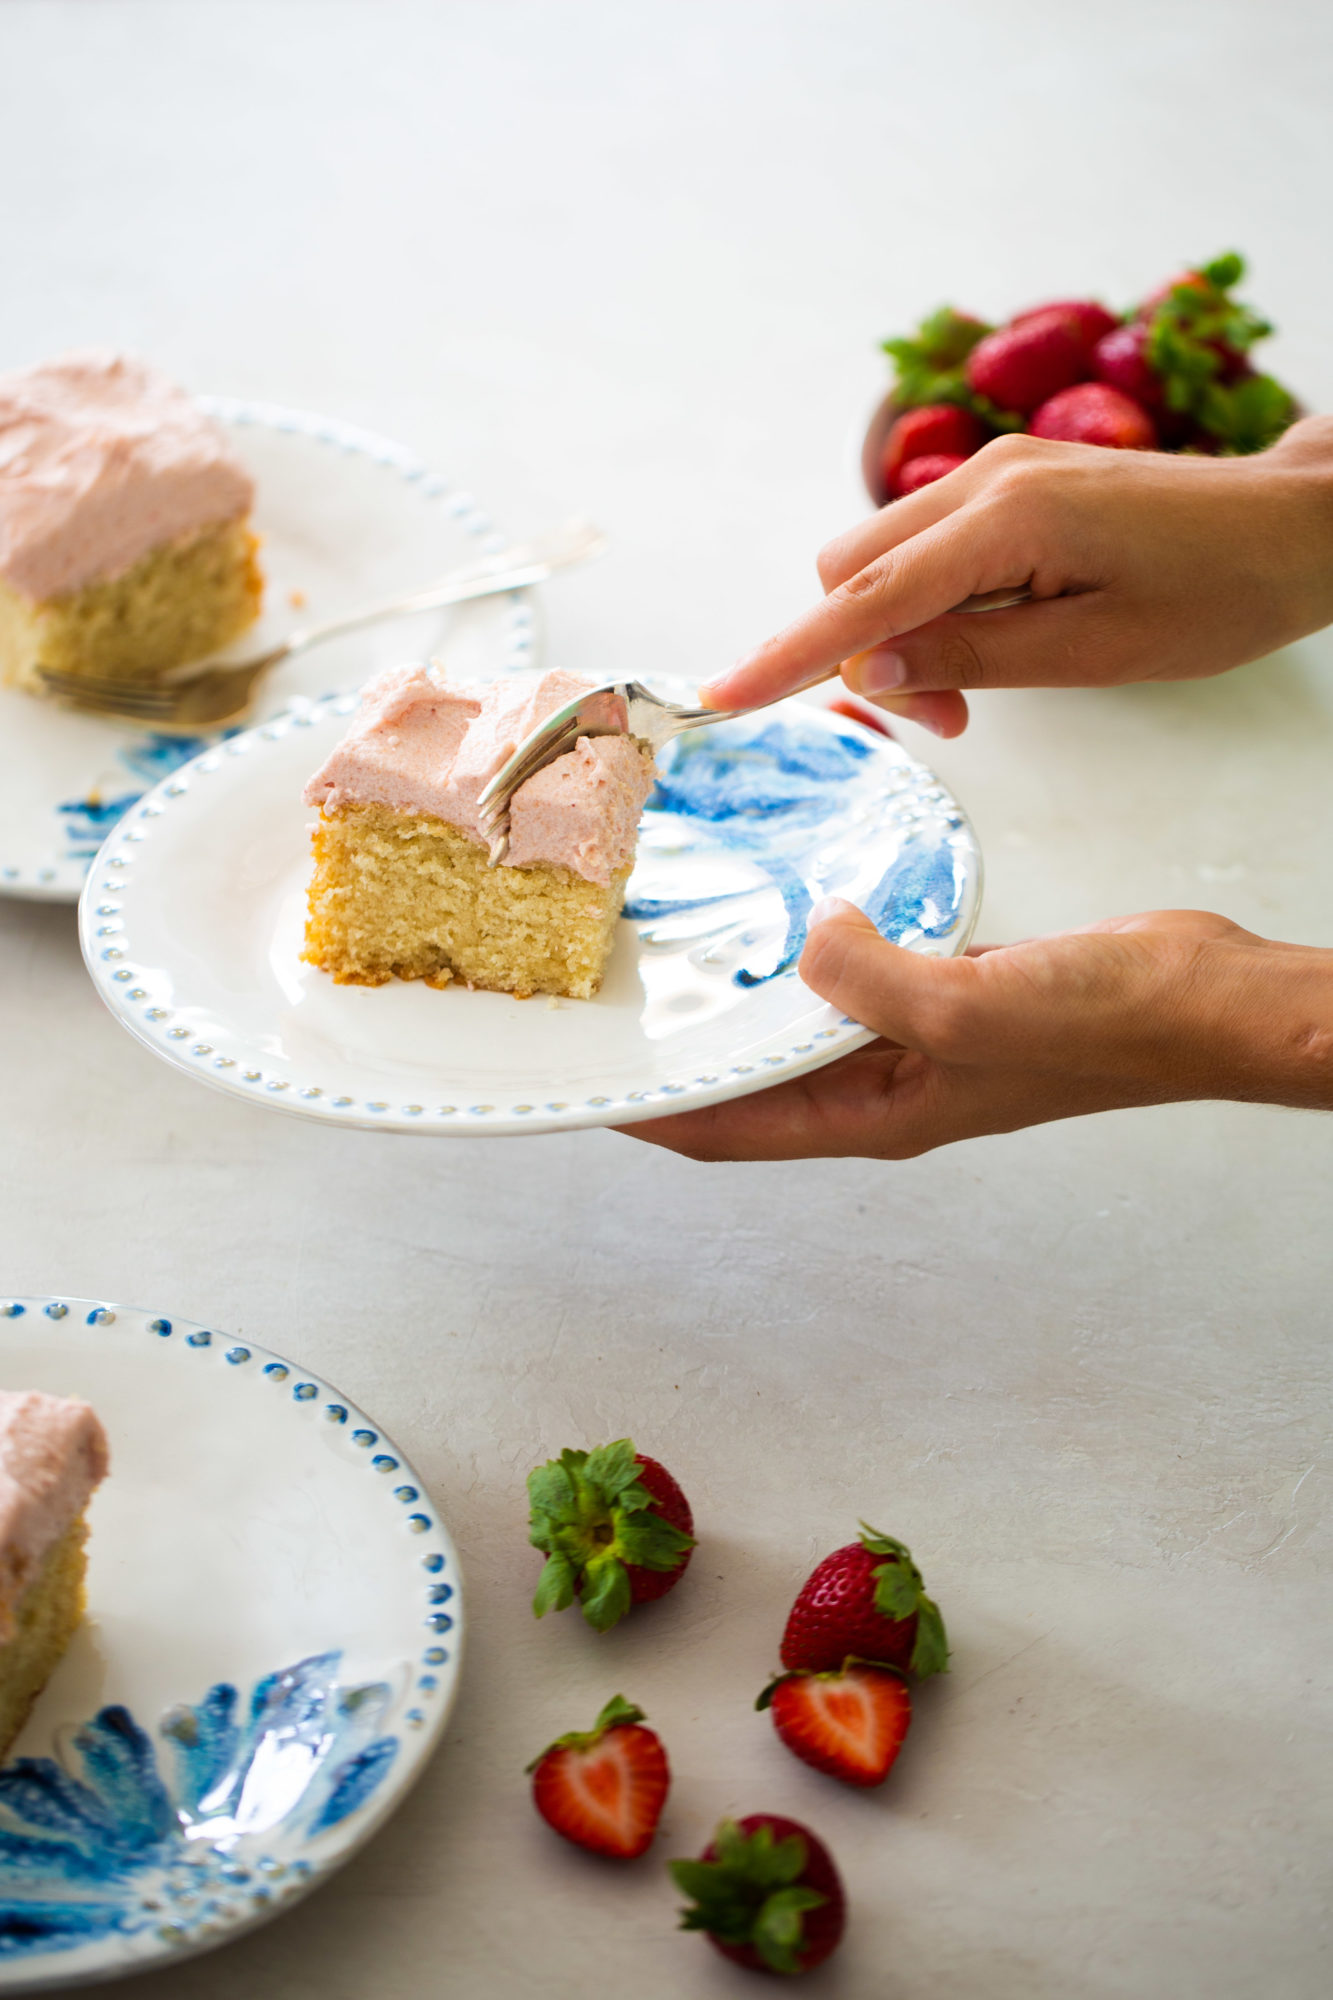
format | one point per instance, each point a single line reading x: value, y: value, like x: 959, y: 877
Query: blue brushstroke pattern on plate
x: 119, y: 1835
x: 87, y: 822
x: 806, y: 809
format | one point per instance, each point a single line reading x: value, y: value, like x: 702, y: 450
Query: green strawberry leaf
x: 649, y: 1542
x: 550, y: 1489
x: 555, y: 1586
x: 1249, y: 415
x: 697, y: 1880
x: 605, y: 1596
x: 930, y: 1648
x: 991, y: 413
x: 1224, y: 271
x: 750, y: 1894
x: 616, y: 1711
x: 613, y: 1469
x: 900, y: 1592
x: 929, y: 363
x: 779, y: 1928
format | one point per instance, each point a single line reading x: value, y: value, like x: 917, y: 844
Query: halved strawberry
x: 767, y: 1894
x: 615, y: 1527
x: 604, y: 1789
x: 850, y: 1724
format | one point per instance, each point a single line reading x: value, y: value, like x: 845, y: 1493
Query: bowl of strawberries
x: 1173, y: 373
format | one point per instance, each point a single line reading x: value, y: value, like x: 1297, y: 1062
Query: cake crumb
x: 297, y: 599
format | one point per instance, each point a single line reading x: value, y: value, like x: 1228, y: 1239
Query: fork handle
x: 458, y: 589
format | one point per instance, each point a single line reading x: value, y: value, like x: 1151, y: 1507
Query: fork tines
x: 110, y: 697
x: 496, y: 797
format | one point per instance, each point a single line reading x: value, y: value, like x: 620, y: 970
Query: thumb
x: 905, y: 996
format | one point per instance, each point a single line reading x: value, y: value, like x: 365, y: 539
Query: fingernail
x: 882, y: 673
x: 832, y: 906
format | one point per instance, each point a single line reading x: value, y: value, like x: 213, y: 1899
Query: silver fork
x: 628, y: 708
x: 211, y: 691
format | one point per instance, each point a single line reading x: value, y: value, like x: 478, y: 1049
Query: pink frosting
x: 101, y: 460
x: 53, y: 1453
x: 420, y: 745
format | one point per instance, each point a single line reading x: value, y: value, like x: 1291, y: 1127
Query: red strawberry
x: 1121, y: 359
x: 936, y: 427
x: 850, y: 1723
x: 767, y: 1893
x: 1092, y: 319
x: 604, y: 1789
x: 615, y: 1527
x: 866, y: 1600
x: 919, y: 472
x: 1020, y: 366
x: 1095, y: 413
x: 856, y: 711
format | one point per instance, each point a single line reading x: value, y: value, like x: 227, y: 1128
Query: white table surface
x: 634, y: 261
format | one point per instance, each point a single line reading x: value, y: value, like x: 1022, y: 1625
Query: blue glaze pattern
x: 746, y: 829
x: 121, y: 1834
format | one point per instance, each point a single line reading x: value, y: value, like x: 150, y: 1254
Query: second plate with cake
x: 345, y: 518
x: 193, y: 927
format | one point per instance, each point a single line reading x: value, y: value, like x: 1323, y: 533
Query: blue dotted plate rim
x: 62, y: 881
x: 109, y: 955
x: 404, y: 1491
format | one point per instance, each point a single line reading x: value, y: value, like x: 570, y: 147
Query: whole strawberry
x: 615, y: 1528
x: 604, y: 1788
x: 1120, y: 358
x: 767, y: 1894
x: 919, y: 472
x: 924, y: 433
x: 1095, y: 413
x: 867, y: 1600
x: 1023, y: 364
x: 1089, y: 316
x: 850, y: 1724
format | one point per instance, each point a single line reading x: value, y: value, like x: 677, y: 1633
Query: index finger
x: 908, y: 586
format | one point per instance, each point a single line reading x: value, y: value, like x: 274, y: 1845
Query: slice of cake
x: 403, y: 884
x: 52, y: 1455
x: 125, y: 544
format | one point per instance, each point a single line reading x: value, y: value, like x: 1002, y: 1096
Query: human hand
x: 1136, y: 1010
x: 1145, y: 565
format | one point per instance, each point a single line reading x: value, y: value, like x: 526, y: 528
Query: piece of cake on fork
x: 125, y: 541
x: 403, y: 886
x: 53, y: 1454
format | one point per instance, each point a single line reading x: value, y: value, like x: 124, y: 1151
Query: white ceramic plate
x: 192, y: 928
x: 346, y: 519
x: 269, y: 1658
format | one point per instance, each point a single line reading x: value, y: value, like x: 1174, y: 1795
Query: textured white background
x: 634, y: 260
